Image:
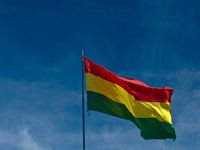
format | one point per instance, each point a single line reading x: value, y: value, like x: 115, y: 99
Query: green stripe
x: 150, y: 128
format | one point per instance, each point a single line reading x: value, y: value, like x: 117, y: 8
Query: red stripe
x: 139, y: 90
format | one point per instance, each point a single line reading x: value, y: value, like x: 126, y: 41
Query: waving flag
x: 148, y: 108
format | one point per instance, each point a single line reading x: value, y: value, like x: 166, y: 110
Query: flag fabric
x: 148, y: 108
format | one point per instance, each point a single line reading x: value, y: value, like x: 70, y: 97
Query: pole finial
x: 82, y: 52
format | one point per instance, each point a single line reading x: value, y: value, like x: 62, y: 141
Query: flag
x: 148, y: 108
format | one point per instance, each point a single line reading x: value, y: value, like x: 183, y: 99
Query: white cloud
x: 8, y: 137
x: 27, y: 142
x: 32, y: 115
x: 22, y: 140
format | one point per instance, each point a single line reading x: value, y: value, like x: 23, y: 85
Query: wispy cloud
x: 21, y: 139
x: 33, y: 114
x: 8, y: 138
x: 27, y: 142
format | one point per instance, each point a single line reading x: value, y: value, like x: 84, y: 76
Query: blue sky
x: 156, y: 42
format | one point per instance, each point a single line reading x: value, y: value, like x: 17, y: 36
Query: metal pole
x: 83, y: 101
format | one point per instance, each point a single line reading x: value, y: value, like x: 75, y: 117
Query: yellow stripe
x: 140, y: 109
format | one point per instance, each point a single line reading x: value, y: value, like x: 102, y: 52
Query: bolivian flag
x: 148, y: 108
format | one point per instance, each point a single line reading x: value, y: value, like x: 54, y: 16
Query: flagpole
x: 83, y: 111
